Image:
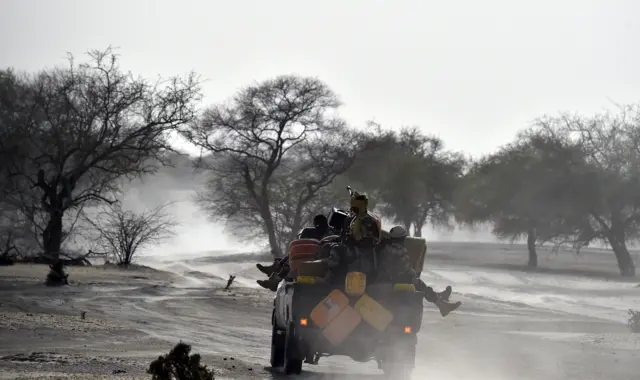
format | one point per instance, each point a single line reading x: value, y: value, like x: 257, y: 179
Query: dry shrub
x: 179, y: 365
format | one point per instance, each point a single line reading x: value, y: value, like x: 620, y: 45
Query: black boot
x: 444, y: 295
x: 271, y: 283
x: 268, y: 269
x: 447, y: 307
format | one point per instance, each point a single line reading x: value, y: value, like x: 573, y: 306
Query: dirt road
x: 125, y: 326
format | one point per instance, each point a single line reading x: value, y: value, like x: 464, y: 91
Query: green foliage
x: 179, y: 365
x: 409, y: 174
x: 608, y: 173
x: 523, y: 187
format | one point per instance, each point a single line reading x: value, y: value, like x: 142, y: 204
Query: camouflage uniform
x: 345, y: 258
x: 365, y: 229
x: 394, y: 264
x: 357, y: 252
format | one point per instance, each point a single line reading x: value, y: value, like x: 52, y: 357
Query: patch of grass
x: 179, y: 365
x: 634, y: 320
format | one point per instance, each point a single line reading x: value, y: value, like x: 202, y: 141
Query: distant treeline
x: 275, y: 154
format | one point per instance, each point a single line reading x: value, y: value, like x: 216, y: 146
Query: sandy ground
x: 512, y: 324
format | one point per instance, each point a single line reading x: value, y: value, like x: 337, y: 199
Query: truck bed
x: 300, y: 299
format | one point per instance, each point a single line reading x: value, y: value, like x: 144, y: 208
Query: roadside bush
x: 634, y: 320
x: 125, y: 232
x: 179, y: 365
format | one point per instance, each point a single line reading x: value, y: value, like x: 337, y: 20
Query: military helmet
x: 398, y: 232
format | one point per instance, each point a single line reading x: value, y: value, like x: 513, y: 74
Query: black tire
x: 277, y: 347
x: 292, y: 365
x: 400, y: 361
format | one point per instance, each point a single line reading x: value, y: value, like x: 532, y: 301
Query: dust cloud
x: 196, y: 234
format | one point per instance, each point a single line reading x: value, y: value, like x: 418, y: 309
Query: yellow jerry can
x: 373, y: 313
x: 340, y: 328
x: 355, y: 283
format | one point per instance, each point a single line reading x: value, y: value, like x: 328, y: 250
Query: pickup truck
x: 377, y: 321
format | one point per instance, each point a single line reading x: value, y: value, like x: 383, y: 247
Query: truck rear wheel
x: 399, y: 361
x: 397, y: 371
x: 292, y: 365
x: 277, y: 347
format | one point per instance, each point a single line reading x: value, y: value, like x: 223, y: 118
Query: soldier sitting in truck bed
x: 358, y: 243
x: 394, y: 266
x: 278, y: 270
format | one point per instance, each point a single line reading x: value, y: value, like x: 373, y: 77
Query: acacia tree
x: 89, y: 125
x: 522, y: 190
x: 436, y: 173
x: 12, y: 139
x: 11, y: 146
x: 125, y: 233
x: 304, y: 181
x: 279, y: 128
x: 414, y: 176
x: 608, y: 174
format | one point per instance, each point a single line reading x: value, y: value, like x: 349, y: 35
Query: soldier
x: 357, y: 248
x: 279, y: 269
x: 394, y: 266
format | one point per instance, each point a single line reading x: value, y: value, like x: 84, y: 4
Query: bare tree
x: 88, y: 126
x: 15, y: 232
x: 125, y: 233
x: 300, y: 188
x: 253, y: 140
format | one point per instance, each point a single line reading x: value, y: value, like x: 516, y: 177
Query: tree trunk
x: 407, y: 225
x: 623, y: 256
x: 296, y: 224
x: 617, y: 240
x: 52, y: 235
x: 625, y: 261
x: 531, y: 247
x: 420, y: 222
x: 276, y: 251
x: 269, y: 226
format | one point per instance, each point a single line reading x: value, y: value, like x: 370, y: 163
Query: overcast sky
x: 473, y: 72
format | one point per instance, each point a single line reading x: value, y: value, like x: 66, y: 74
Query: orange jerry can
x: 341, y: 326
x: 329, y: 308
